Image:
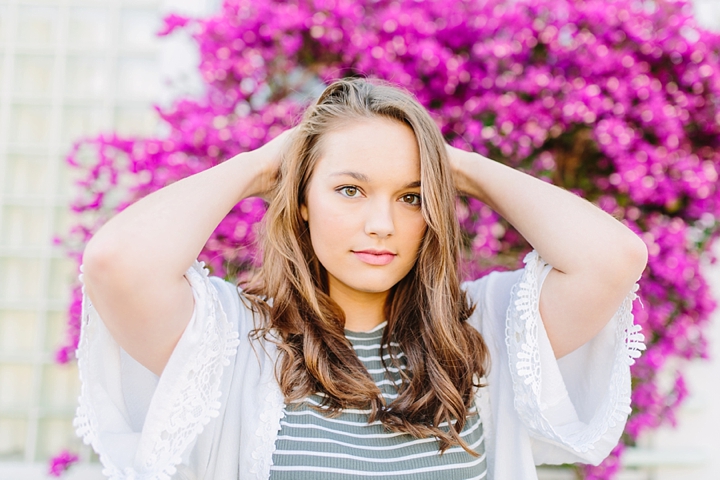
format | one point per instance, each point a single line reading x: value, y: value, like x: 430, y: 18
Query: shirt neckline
x: 368, y: 333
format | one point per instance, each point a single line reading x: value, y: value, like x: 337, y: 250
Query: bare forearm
x: 569, y: 232
x: 165, y: 231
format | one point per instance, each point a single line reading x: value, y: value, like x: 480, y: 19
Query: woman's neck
x: 363, y: 310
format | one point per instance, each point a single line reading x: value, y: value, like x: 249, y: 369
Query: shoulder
x: 490, y: 295
x: 238, y: 308
x: 493, y: 289
x: 221, y: 300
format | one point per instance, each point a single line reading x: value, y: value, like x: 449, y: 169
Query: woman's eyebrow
x: 357, y: 176
x: 361, y: 177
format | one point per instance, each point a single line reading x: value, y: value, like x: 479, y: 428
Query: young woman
x: 356, y: 352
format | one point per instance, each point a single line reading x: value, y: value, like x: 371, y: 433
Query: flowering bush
x: 615, y: 101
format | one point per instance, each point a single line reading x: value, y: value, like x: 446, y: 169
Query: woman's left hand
x: 461, y: 163
x: 453, y: 154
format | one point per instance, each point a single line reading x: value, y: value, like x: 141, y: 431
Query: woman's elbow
x: 100, y: 259
x: 638, y: 256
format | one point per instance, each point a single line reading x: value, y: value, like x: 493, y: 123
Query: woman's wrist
x: 466, y: 167
x: 262, y: 165
x: 253, y: 172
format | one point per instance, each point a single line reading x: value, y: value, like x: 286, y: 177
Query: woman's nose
x: 379, y: 219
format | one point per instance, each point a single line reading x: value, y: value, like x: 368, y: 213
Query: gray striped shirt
x: 312, y: 446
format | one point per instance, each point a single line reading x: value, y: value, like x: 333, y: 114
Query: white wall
x: 68, y: 68
x: 695, y: 444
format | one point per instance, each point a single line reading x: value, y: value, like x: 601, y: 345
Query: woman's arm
x: 596, y: 259
x: 134, y: 265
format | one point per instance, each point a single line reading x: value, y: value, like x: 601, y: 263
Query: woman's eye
x: 349, y: 191
x: 411, y: 199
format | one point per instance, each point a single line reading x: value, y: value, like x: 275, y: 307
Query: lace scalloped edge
x: 86, y: 418
x: 85, y: 421
x: 525, y: 363
x: 267, y: 430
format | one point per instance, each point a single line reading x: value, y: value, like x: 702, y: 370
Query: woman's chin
x: 365, y: 285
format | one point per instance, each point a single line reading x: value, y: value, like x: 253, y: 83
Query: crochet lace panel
x: 183, y: 409
x: 267, y: 431
x: 521, y: 337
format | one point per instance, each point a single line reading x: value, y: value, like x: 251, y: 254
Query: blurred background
x: 74, y: 68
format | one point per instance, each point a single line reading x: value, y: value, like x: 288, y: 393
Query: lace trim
x: 268, y: 429
x: 182, y: 409
x: 482, y: 402
x: 521, y: 338
x: 85, y: 421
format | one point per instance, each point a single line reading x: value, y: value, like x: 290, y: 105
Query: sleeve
x: 144, y: 426
x: 575, y: 409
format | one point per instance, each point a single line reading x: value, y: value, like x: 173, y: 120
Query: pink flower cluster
x: 615, y: 101
x: 60, y: 463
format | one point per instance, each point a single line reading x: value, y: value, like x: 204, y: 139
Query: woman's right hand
x: 269, y: 158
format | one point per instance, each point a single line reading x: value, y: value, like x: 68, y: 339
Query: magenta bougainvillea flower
x: 60, y: 463
x: 614, y: 100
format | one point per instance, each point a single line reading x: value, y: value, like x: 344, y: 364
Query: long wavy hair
x: 426, y: 311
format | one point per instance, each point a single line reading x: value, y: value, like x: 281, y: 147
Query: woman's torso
x: 312, y: 446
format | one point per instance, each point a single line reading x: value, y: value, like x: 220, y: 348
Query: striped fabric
x: 312, y: 446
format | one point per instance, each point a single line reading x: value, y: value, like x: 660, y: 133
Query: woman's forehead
x: 370, y: 150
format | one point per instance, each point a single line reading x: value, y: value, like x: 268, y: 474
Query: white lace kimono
x: 215, y: 411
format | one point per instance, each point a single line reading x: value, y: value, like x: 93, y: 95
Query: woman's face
x: 363, y: 206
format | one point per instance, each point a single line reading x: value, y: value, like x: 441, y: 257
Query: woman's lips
x: 374, y: 258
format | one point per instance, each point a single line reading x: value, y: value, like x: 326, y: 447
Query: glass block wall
x: 68, y: 68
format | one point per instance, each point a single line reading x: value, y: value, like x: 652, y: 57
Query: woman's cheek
x: 414, y: 228
x: 331, y: 227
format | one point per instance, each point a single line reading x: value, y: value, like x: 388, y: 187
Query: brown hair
x: 426, y: 311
